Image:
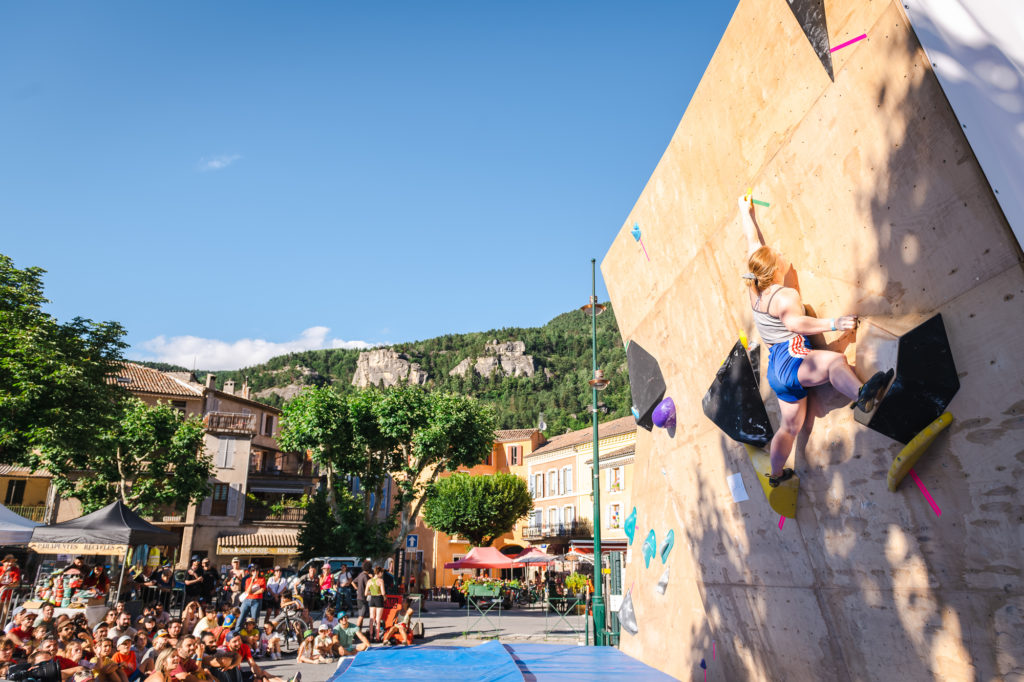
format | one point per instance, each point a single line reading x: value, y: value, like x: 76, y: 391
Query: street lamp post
x: 598, y: 383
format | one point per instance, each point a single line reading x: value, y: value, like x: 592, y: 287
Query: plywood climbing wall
x: 877, y: 198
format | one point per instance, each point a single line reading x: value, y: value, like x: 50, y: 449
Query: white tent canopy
x: 15, y: 529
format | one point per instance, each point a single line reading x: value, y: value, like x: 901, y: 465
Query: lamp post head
x: 599, y: 382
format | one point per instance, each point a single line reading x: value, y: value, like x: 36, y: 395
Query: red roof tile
x: 616, y: 427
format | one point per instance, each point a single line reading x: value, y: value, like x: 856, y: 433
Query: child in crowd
x: 104, y: 667
x: 270, y: 642
x: 250, y: 633
x: 330, y: 619
x: 231, y: 614
x: 324, y: 643
x: 125, y: 657
x: 402, y: 629
x: 307, y: 650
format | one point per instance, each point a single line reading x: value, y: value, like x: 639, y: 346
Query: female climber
x: 793, y: 366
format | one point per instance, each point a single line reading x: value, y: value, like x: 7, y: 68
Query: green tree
x: 321, y: 535
x: 478, y: 508
x: 151, y: 456
x: 54, y: 391
x: 436, y: 433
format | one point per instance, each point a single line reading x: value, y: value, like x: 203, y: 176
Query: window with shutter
x: 568, y: 479
x: 219, y: 499
x: 561, y: 482
x: 234, y: 499
x: 552, y: 483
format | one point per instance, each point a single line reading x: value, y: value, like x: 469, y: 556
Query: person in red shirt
x: 255, y: 586
x: 98, y: 579
x: 240, y: 653
x: 71, y: 660
x: 187, y: 663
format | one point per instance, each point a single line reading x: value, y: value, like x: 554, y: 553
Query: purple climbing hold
x: 664, y: 415
x: 703, y: 664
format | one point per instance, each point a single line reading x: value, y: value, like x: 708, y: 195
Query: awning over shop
x: 260, y: 543
x: 607, y: 545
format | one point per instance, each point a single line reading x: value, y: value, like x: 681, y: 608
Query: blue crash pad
x: 495, y: 661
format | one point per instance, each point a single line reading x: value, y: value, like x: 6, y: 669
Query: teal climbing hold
x: 650, y: 548
x: 666, y: 545
x: 630, y: 526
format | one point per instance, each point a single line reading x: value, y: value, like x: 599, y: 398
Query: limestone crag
x: 507, y: 358
x: 385, y: 367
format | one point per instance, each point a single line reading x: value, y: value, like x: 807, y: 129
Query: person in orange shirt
x: 125, y: 657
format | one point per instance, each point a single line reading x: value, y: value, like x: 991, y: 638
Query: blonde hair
x: 762, y: 266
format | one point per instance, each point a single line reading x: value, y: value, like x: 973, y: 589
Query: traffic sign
x: 412, y: 541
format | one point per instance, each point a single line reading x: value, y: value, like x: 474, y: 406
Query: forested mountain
x: 558, y: 388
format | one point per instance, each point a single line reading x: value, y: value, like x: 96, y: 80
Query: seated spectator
x: 349, y: 639
x: 187, y: 665
x: 123, y: 627
x: 324, y: 643
x: 47, y: 620
x: 402, y: 629
x: 125, y: 657
x: 270, y: 642
x: 241, y: 654
x: 330, y: 619
x: 147, y: 663
x: 69, y: 659
x: 307, y: 650
x: 164, y: 666
x: 250, y: 633
x: 160, y: 614
x: 104, y: 667
x: 98, y: 580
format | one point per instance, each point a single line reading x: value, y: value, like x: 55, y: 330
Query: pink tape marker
x: 712, y: 651
x: 782, y: 520
x: 924, y: 491
x: 850, y: 42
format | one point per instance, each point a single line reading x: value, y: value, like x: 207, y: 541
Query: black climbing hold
x: 703, y: 664
x: 646, y: 383
x: 734, y: 403
x: 811, y: 16
x: 926, y: 381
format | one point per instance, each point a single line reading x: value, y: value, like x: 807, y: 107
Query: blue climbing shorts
x: 784, y: 360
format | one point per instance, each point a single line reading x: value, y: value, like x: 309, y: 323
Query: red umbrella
x: 482, y: 557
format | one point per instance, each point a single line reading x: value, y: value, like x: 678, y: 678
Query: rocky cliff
x: 385, y: 367
x: 507, y: 358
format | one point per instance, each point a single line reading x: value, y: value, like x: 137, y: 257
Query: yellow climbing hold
x: 913, y: 450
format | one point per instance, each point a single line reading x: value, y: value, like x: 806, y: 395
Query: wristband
x: 833, y: 324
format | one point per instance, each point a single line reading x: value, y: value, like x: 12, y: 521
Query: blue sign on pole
x: 412, y: 541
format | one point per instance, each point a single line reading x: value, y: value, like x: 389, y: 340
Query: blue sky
x: 234, y: 180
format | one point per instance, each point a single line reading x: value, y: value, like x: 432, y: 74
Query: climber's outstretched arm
x: 750, y: 228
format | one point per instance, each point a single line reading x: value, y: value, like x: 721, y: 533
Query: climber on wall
x: 793, y: 366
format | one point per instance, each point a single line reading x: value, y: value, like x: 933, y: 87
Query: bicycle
x: 289, y: 623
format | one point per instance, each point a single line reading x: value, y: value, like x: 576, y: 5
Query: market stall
x: 15, y: 529
x: 110, y: 531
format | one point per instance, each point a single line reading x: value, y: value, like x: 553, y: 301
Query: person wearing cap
x: 255, y: 586
x: 125, y: 658
x: 250, y: 632
x: 323, y: 644
x: 307, y: 650
x: 104, y: 667
x: 349, y: 639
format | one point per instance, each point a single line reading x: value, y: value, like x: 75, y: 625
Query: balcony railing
x: 581, y: 528
x: 303, y: 471
x: 287, y: 515
x: 230, y: 422
x: 30, y: 512
x: 165, y: 518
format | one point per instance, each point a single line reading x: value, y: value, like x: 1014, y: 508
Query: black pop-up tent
x: 111, y: 530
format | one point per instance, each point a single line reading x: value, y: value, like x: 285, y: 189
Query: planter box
x: 483, y: 590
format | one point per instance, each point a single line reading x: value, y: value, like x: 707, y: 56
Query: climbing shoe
x: 786, y: 475
x: 871, y: 391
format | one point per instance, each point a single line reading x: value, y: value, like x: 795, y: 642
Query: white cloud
x: 194, y: 351
x: 209, y: 163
